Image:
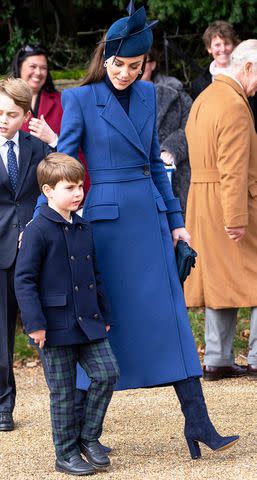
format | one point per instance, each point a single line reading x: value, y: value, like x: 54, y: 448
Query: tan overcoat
x: 223, y: 192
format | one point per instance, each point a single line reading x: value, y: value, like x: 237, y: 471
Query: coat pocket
x: 102, y: 212
x: 160, y: 204
x: 55, y: 311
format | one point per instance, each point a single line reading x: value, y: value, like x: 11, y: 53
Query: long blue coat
x: 132, y: 210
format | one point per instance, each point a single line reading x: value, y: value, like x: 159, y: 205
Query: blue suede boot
x: 198, y: 426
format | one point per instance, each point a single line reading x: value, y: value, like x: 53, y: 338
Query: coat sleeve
x: 26, y: 279
x: 72, y: 126
x: 233, y: 156
x: 175, y: 142
x: 160, y: 179
x: 104, y: 305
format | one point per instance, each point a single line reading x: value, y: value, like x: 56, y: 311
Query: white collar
x: 15, y: 139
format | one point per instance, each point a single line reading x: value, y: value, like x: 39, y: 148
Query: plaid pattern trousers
x: 98, y: 360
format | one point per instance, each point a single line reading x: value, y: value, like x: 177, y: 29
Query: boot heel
x: 194, y: 448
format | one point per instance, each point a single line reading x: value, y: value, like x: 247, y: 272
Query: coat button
x: 146, y: 170
x: 88, y: 257
x: 91, y: 286
x: 66, y: 228
x: 80, y: 319
x: 95, y: 316
x: 76, y: 288
x: 72, y: 257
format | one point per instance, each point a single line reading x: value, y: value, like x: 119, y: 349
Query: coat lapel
x: 25, y: 151
x: 113, y: 113
x: 4, y: 175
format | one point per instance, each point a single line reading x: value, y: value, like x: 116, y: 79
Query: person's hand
x: 180, y: 234
x: 167, y: 158
x: 39, y: 337
x: 40, y: 129
x: 235, y: 233
x: 107, y: 328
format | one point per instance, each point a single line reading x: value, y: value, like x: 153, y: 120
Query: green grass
x: 68, y: 74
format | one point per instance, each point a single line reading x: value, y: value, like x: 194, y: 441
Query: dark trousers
x: 59, y: 365
x: 8, y: 315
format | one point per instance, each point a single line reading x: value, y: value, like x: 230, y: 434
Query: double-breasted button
x: 76, y: 288
x: 72, y: 257
x: 96, y: 316
x: 88, y: 257
x: 17, y: 204
x: 91, y: 286
x: 146, y: 170
x: 80, y: 319
x: 15, y: 225
x: 66, y: 228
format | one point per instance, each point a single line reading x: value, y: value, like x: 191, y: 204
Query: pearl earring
x: 140, y: 72
x: 105, y: 64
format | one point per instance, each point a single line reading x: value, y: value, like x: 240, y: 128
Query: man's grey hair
x: 245, y: 52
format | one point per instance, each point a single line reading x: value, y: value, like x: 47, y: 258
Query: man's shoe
x: 252, y: 371
x: 94, y: 453
x: 6, y: 422
x: 74, y: 466
x: 104, y: 448
x: 217, y: 373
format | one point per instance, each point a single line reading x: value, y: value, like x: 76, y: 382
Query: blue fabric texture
x: 132, y: 210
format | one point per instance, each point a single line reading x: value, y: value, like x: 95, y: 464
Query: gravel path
x: 144, y: 427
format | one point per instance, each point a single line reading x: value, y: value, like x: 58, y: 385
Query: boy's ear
x: 26, y: 116
x: 47, y: 190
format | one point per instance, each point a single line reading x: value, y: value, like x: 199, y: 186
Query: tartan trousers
x: 59, y: 363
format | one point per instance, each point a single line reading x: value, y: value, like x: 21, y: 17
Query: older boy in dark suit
x: 20, y: 153
x: 65, y: 313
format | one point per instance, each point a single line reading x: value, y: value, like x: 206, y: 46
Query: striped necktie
x: 12, y: 164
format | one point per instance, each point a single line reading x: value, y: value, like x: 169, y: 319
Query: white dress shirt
x: 4, y: 148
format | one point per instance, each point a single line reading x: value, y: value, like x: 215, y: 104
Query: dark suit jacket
x: 18, y: 209
x: 57, y: 284
x: 201, y: 82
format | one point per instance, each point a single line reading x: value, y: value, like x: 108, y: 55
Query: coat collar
x: 130, y: 126
x: 47, y: 102
x: 235, y: 85
x: 54, y: 216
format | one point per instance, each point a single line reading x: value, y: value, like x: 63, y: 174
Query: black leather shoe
x: 217, y: 373
x: 104, y: 448
x: 74, y: 466
x: 94, y: 453
x: 252, y: 371
x: 6, y: 422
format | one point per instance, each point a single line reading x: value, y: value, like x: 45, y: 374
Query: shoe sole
x: 62, y: 470
x: 6, y: 429
x: 227, y: 446
x: 95, y: 465
x: 208, y: 378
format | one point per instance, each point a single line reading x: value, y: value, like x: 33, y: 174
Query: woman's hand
x: 40, y: 129
x: 180, y: 234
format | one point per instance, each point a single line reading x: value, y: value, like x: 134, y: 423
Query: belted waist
x: 205, y: 175
x: 123, y: 174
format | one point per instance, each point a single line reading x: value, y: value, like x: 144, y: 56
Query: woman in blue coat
x: 136, y: 219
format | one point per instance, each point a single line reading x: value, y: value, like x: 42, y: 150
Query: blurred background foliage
x: 71, y: 29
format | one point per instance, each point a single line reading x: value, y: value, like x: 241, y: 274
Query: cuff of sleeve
x: 175, y: 220
x: 54, y: 143
x: 236, y: 220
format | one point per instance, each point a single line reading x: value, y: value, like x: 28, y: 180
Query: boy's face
x: 12, y: 117
x: 221, y: 49
x: 65, y: 197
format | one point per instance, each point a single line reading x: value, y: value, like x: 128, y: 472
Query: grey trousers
x: 220, y: 326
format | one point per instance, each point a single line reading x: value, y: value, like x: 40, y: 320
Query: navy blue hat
x: 129, y: 36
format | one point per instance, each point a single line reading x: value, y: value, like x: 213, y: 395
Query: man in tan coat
x: 222, y: 211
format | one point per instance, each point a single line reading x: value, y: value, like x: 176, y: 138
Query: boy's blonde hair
x: 57, y: 167
x: 18, y: 90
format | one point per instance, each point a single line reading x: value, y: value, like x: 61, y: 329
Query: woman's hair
x: 18, y: 90
x: 97, y: 71
x: 221, y: 29
x: 23, y: 54
x: 57, y: 167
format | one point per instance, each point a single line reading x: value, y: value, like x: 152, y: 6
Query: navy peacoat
x: 132, y: 211
x: 57, y: 283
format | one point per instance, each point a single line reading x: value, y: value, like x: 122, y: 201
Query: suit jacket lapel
x: 115, y: 115
x: 4, y: 175
x: 25, y: 151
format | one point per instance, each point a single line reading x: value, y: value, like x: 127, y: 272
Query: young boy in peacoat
x: 20, y: 153
x: 65, y: 313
